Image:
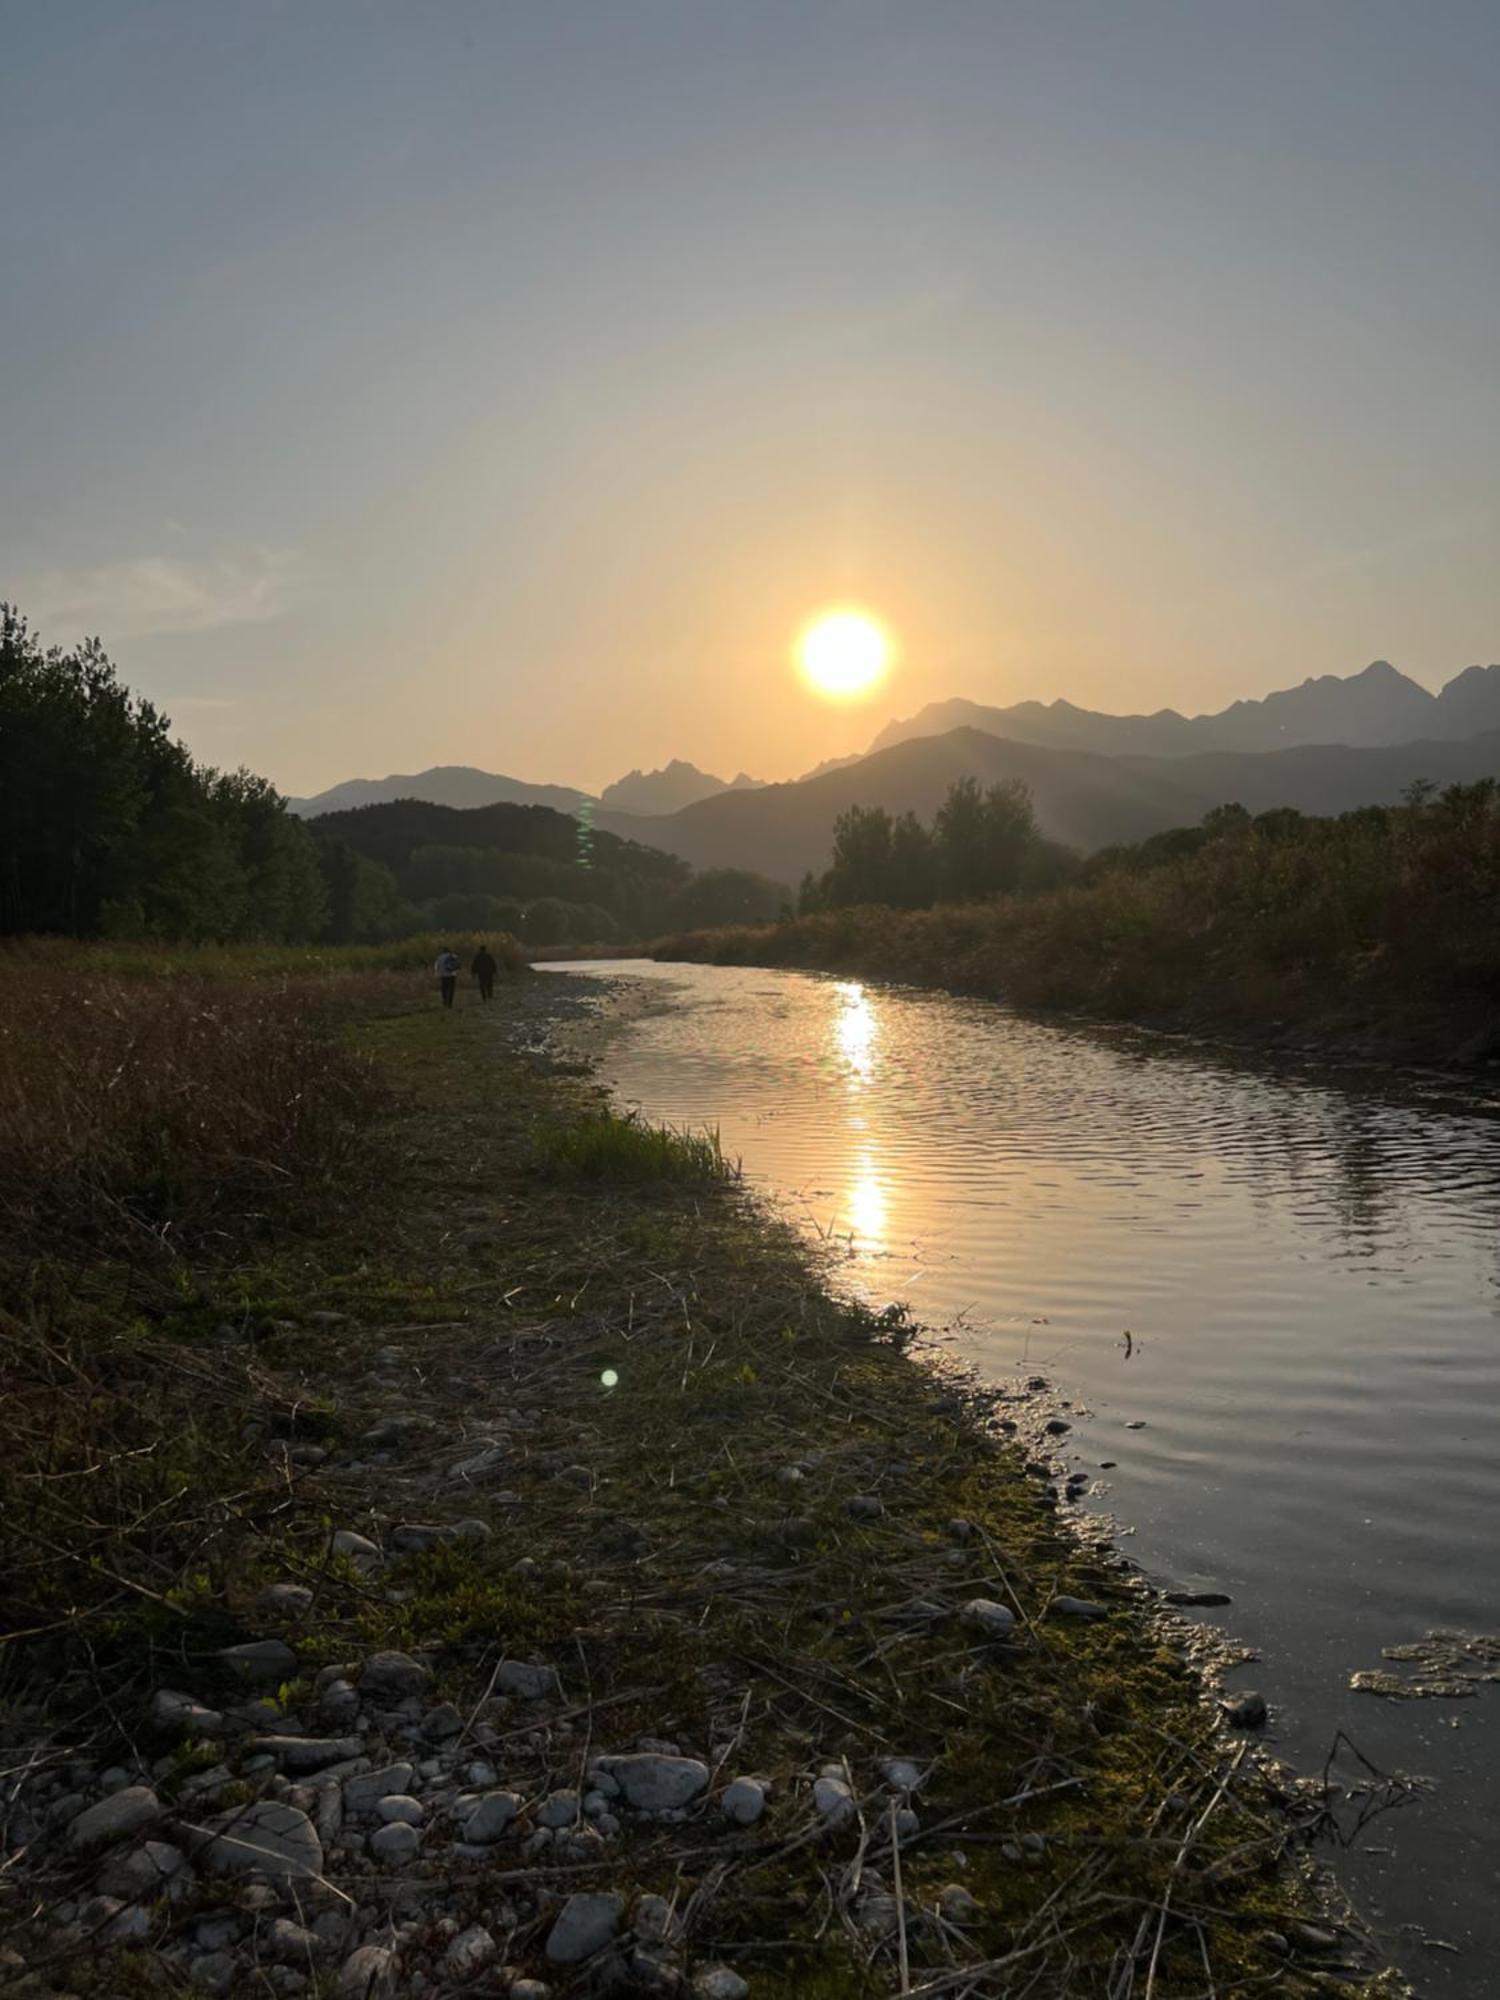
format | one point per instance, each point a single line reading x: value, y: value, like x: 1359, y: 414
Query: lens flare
x: 844, y: 654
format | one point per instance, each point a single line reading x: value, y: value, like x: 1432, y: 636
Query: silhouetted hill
x: 391, y: 833
x: 668, y: 790
x: 1082, y: 798
x: 457, y: 785
x: 1379, y: 706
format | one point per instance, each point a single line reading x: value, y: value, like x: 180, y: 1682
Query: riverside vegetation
x: 1379, y: 929
x: 454, y: 1542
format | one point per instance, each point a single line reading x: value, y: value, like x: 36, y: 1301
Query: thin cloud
x: 151, y: 595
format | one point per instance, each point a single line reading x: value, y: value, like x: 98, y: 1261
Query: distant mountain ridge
x: 457, y: 785
x: 668, y: 790
x: 1084, y: 798
x: 1379, y: 706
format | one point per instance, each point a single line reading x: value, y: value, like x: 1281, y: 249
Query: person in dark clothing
x: 445, y: 965
x: 484, y: 969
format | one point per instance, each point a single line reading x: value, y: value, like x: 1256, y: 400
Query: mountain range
x: 671, y: 788
x: 464, y: 786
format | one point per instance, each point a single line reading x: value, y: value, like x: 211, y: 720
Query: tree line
x: 982, y: 842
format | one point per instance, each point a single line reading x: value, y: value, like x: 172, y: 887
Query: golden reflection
x: 854, y: 1030
x: 866, y: 1203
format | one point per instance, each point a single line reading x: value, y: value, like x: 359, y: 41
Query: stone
x: 469, y: 1953
x: 284, y: 1600
x: 145, y: 1873
x: 956, y: 1905
x: 267, y: 1838
x: 364, y: 1793
x: 718, y: 1982
x: 442, y: 1722
x: 491, y: 1817
x: 360, y: 1550
x: 261, y: 1660
x: 866, y: 1507
x: 530, y: 1989
x: 338, y: 1702
x: 833, y: 1801
x: 216, y: 1972
x: 878, y: 1914
x: 586, y: 1923
x: 655, y: 1922
x: 396, y: 1844
x: 391, y: 1677
x: 300, y: 1754
x: 744, y: 1801
x: 907, y: 1824
x: 213, y: 1933
x: 558, y: 1809
x: 526, y: 1679
x: 480, y: 1465
x: 1076, y: 1607
x: 413, y: 1538
x: 652, y: 1783
x: 286, y: 1943
x: 179, y: 1715
x: 368, y: 1974
x: 114, y: 1922
x: 399, y: 1809
x: 901, y: 1774
x: 1057, y: 1427
x: 115, y: 1818
x: 1246, y: 1711
x: 989, y: 1619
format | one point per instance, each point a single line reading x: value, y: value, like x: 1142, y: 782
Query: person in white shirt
x: 445, y: 965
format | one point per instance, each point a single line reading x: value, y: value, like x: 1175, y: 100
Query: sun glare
x: 844, y: 653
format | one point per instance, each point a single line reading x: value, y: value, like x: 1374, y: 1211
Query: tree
x: 982, y: 838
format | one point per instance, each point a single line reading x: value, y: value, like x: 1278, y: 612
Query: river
x: 1266, y: 1300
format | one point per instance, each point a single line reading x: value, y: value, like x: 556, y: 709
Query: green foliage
x: 625, y: 1151
x: 982, y: 843
x: 108, y: 827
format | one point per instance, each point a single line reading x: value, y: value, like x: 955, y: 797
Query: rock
x: 586, y: 1923
x: 1057, y: 1427
x: 469, y: 1953
x: 391, y: 1677
x: 1193, y: 1599
x: 395, y: 1844
x: 115, y: 1818
x: 308, y: 1753
x: 214, y: 1973
x: 360, y: 1550
x: 988, y: 1619
x: 655, y: 1921
x: 491, y: 1817
x: 1314, y: 1937
x: 652, y: 1783
x: 865, y: 1507
x: 286, y: 1943
x: 901, y: 1774
x: 261, y: 1660
x: 144, y: 1873
x: 526, y: 1679
x: 530, y: 1989
x: 400, y: 1810
x: 878, y: 1914
x: 442, y: 1722
x: 368, y: 1974
x: 364, y: 1793
x: 956, y: 1905
x: 414, y: 1538
x: 1076, y: 1607
x: 330, y: 1811
x: 480, y: 1466
x: 906, y: 1823
x: 718, y: 1982
x: 338, y: 1702
x: 744, y: 1801
x: 110, y: 1921
x: 833, y: 1802
x: 267, y: 1838
x: 179, y: 1715
x: 284, y: 1600
x: 1246, y: 1711
x: 558, y: 1809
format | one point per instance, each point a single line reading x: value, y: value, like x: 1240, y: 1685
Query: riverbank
x: 1076, y: 953
x: 566, y: 1570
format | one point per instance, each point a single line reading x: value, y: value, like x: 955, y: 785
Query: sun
x: 844, y: 653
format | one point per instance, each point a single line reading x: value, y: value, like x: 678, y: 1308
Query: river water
x: 1308, y: 1272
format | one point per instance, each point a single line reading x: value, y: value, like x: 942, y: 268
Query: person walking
x: 484, y: 969
x: 447, y: 968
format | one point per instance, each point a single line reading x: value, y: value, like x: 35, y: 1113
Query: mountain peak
x: 668, y: 790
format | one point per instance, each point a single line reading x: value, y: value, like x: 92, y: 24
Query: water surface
x: 1303, y: 1413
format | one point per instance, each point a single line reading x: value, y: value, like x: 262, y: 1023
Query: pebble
x: 338, y: 1702
x: 991, y: 1620
x: 396, y: 1844
x: 267, y: 1838
x: 179, y: 1715
x: 655, y: 1921
x: 284, y: 1600
x: 718, y: 1982
x: 215, y: 1973
x: 286, y: 1943
x: 308, y: 1753
x: 527, y: 1679
x: 115, y: 1818
x: 400, y: 1810
x: 491, y: 1817
x: 585, y: 1924
x: 443, y: 1722
x: 1247, y: 1710
x: 416, y: 1538
x: 833, y: 1802
x: 744, y: 1801
x: 368, y: 1973
x: 1076, y: 1607
x: 391, y: 1677
x: 901, y: 1774
x: 261, y: 1660
x: 956, y: 1904
x: 866, y: 1507
x: 469, y: 1953
x: 144, y: 1872
x: 360, y: 1550
x: 654, y: 1783
x: 530, y: 1989
x: 364, y: 1793
x: 559, y: 1809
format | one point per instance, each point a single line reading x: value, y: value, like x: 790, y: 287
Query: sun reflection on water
x: 854, y: 1031
x: 865, y: 1203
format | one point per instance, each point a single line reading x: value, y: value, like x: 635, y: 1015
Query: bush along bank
x: 1372, y: 935
x: 577, y: 1596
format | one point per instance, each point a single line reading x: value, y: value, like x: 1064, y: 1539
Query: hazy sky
x: 472, y: 382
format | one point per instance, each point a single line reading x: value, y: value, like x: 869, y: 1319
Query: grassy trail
x: 723, y: 1513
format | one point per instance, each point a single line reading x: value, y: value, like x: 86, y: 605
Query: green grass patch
x: 623, y: 1150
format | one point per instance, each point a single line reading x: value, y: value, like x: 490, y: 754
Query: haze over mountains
x: 1324, y: 747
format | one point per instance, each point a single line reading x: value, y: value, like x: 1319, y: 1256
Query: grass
x: 686, y: 1414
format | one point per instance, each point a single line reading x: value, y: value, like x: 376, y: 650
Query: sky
x: 463, y: 381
